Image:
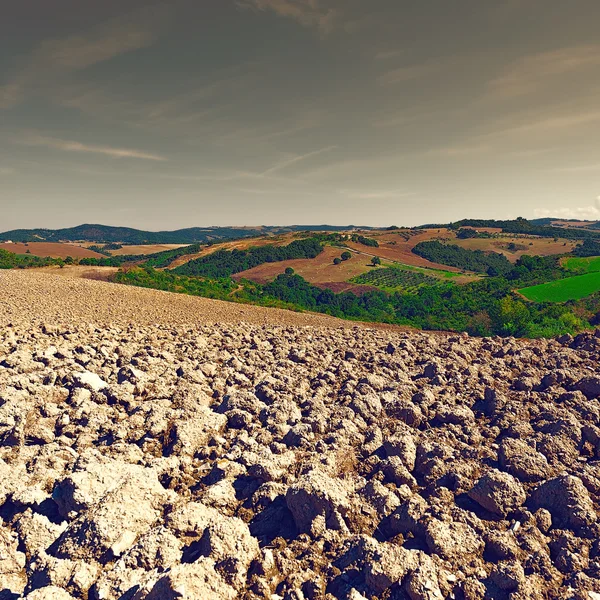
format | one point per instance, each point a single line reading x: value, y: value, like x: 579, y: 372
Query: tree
x: 69, y: 260
x: 289, y: 271
x: 346, y: 255
x: 337, y: 261
x: 375, y: 261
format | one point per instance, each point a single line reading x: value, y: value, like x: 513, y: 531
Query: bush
x: 289, y: 271
x: 337, y: 261
x: 375, y: 261
x: 346, y: 255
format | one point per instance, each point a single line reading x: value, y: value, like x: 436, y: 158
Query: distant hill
x: 127, y: 235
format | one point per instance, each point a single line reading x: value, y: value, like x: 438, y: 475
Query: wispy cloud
x: 412, y: 72
x: 310, y: 13
x: 591, y: 212
x: 54, y: 59
x: 73, y: 146
x: 296, y: 159
x: 530, y: 73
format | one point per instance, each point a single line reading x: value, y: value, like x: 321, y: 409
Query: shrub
x: 337, y: 261
x: 346, y: 255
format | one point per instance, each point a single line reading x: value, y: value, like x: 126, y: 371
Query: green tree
x: 375, y: 261
x: 346, y: 255
x: 289, y: 271
x: 337, y: 261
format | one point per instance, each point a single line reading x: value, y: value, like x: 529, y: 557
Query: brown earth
x: 51, y: 250
x: 524, y: 244
x: 145, y: 249
x: 161, y: 447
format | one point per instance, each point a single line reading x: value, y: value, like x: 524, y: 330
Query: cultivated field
x: 582, y: 265
x: 397, y: 246
x: 145, y: 249
x: 572, y: 288
x: 155, y: 446
x: 521, y: 245
x: 278, y: 240
x: 51, y: 249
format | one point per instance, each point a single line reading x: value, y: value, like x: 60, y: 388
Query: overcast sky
x: 376, y: 112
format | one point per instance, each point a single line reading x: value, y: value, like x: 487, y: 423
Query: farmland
x: 50, y: 249
x: 396, y: 279
x: 319, y: 270
x: 145, y: 249
x: 582, y: 265
x: 571, y: 288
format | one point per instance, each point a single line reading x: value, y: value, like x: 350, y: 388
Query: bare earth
x: 51, y: 249
x: 158, y: 447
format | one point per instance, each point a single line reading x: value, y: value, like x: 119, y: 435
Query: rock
x: 567, y: 500
x: 317, y: 494
x: 194, y: 432
x: 89, y: 380
x: 452, y: 541
x: 50, y: 592
x: 498, y: 493
x: 189, y: 582
x: 508, y: 576
x: 590, y: 386
x: 423, y: 584
x: 389, y: 565
x: 404, y: 447
x: 522, y: 461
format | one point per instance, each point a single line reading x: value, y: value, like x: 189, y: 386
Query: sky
x: 161, y: 115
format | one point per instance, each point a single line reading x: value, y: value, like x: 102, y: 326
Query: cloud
x: 5, y: 171
x: 72, y: 146
x: 55, y: 59
x: 579, y: 168
x: 295, y: 159
x: 591, y: 212
x: 412, y: 72
x: 530, y: 73
x: 310, y: 13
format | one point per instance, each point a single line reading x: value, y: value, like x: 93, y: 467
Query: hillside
x: 127, y: 235
x: 155, y: 446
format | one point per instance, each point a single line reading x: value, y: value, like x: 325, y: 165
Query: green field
x: 571, y: 288
x: 582, y: 265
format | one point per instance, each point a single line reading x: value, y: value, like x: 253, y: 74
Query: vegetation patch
x: 225, y: 263
x: 563, y: 290
x: 478, y: 261
x: 396, y: 279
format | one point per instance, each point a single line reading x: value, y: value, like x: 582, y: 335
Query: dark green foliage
x: 225, y: 263
x: 375, y: 261
x: 365, y: 241
x: 588, y: 248
x: 337, y: 261
x: 346, y: 255
x: 9, y: 260
x: 289, y: 271
x: 466, y: 233
x: 470, y: 260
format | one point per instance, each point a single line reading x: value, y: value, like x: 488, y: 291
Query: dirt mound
x: 149, y: 461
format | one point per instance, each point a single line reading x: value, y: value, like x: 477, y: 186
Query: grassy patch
x: 562, y: 290
x: 582, y: 265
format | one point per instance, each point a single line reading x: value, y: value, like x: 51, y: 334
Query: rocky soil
x: 143, y: 461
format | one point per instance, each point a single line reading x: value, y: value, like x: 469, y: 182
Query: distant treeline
x: 224, y: 263
x: 521, y: 226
